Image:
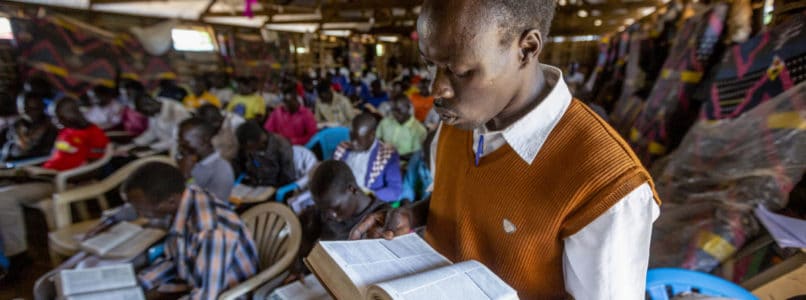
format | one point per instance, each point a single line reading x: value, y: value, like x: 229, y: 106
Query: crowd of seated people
x: 223, y: 133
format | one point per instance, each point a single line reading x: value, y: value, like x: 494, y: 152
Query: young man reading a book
x: 207, y: 250
x: 549, y: 196
x: 375, y: 165
x: 339, y: 205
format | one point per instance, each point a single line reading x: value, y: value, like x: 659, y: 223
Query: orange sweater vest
x: 583, y: 169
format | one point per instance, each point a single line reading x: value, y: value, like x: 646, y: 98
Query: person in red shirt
x: 79, y: 140
x: 292, y: 120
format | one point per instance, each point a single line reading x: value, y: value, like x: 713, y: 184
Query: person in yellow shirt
x: 247, y: 103
x: 201, y: 94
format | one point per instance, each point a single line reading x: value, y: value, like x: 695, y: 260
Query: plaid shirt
x: 208, y: 249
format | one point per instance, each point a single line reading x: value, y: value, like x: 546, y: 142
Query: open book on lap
x: 404, y: 268
x: 124, y: 240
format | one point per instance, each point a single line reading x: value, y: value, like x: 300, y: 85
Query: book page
x: 369, y: 262
x: 469, y: 280
x: 108, y: 240
x: 310, y: 290
x: 137, y: 244
x: 132, y: 293
x: 74, y: 282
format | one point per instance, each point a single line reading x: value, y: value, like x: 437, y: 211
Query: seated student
x: 33, y: 134
x: 357, y: 89
x: 418, y: 178
x: 333, y: 107
x: 224, y: 124
x: 104, y: 109
x: 339, y: 205
x: 309, y: 94
x: 201, y: 94
x: 247, y: 103
x: 169, y: 89
x: 133, y: 121
x: 375, y: 164
x: 422, y: 101
x: 207, y: 250
x: 292, y: 120
x: 163, y: 119
x: 401, y: 129
x: 220, y: 87
x: 378, y: 96
x: 199, y: 161
x: 267, y: 159
x: 78, y: 142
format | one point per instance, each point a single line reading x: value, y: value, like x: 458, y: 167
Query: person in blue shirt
x: 418, y: 178
x: 378, y: 95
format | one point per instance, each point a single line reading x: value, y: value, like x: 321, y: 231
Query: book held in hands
x: 403, y: 268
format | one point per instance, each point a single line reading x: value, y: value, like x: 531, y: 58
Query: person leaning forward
x: 527, y: 180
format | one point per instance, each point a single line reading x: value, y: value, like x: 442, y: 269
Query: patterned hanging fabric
x: 71, y: 57
x: 758, y: 70
x: 670, y: 109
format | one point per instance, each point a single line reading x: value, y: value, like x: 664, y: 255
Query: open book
x: 124, y: 240
x: 403, y: 268
x: 308, y: 289
x: 112, y: 282
x: 250, y: 194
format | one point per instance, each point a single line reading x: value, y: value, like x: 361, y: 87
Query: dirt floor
x: 39, y: 262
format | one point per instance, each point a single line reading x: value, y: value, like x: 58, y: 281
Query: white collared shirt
x: 608, y: 258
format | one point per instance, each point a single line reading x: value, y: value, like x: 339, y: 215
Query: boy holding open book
x: 340, y: 205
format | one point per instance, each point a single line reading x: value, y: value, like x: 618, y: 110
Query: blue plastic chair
x: 328, y: 139
x: 665, y: 283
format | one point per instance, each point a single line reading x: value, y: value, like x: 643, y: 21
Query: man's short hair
x: 157, y: 180
x: 518, y: 16
x: 331, y: 176
x: 208, y: 109
x: 365, y: 118
x: 207, y: 131
x: 249, y: 131
x: 323, y: 87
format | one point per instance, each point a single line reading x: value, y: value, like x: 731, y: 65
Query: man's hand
x: 384, y: 224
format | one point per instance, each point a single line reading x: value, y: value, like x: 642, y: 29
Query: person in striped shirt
x: 207, y: 250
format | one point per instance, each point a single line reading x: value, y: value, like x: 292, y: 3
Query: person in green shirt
x: 401, y: 129
x: 247, y: 103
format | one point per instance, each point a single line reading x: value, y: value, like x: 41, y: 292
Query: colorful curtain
x: 670, y: 109
x: 758, y: 70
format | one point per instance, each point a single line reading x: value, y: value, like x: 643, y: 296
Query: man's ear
x: 352, y: 189
x: 531, y: 44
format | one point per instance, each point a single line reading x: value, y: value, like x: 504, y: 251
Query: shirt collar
x: 210, y: 158
x: 527, y: 135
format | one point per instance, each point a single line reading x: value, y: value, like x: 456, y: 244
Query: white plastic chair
x: 61, y: 184
x: 277, y: 233
x: 61, y: 241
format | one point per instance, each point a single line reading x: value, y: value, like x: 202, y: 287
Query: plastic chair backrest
x: 328, y: 139
x: 277, y: 233
x: 665, y: 283
x: 62, y: 200
x: 63, y: 176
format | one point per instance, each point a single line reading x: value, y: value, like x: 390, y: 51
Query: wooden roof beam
x: 371, y: 4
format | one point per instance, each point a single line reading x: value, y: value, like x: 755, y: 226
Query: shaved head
x: 483, y: 58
